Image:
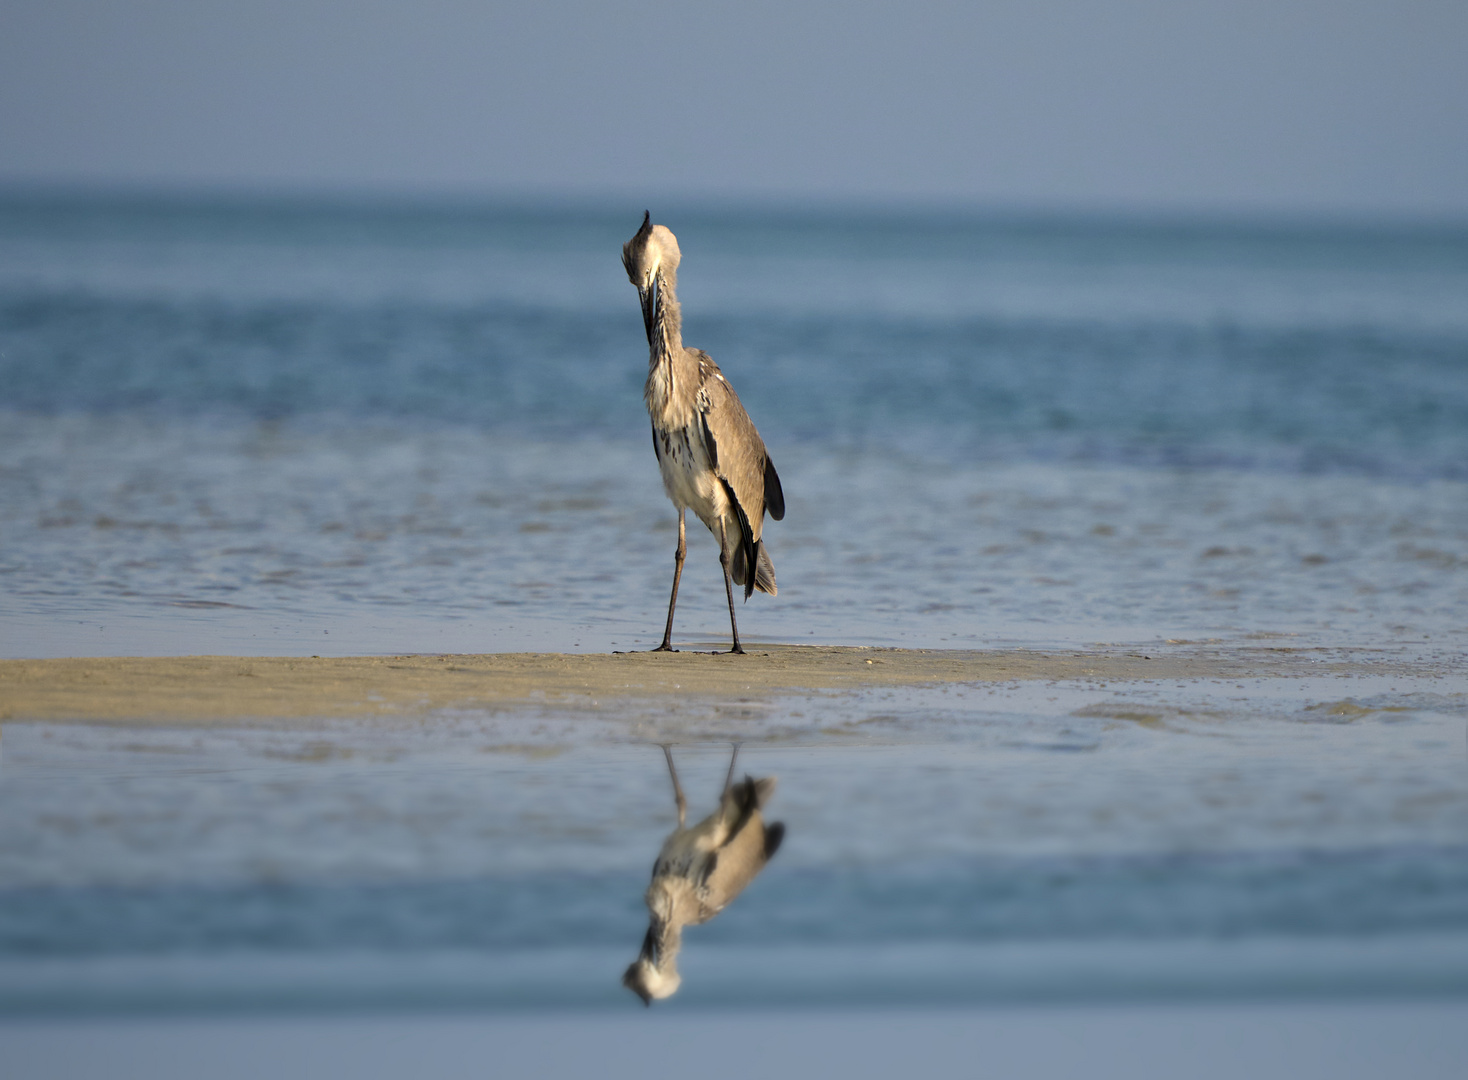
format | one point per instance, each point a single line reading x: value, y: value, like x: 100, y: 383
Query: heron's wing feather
x: 739, y: 459
x: 774, y: 493
x: 774, y: 835
x: 738, y: 453
x: 750, y: 845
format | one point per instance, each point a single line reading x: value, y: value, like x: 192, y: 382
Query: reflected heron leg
x: 677, y: 787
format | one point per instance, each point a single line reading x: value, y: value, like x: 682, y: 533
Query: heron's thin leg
x: 729, y: 585
x: 677, y: 788
x: 729, y: 779
x: 667, y: 645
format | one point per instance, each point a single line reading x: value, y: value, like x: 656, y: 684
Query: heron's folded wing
x: 735, y: 448
x: 738, y: 863
x: 774, y: 493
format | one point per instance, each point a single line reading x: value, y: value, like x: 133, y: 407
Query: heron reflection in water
x: 699, y: 871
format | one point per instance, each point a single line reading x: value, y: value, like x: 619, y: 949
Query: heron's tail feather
x: 758, y: 792
x: 764, y: 572
x: 745, y: 799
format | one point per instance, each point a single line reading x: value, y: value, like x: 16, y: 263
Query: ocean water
x: 319, y: 428
x: 285, y: 428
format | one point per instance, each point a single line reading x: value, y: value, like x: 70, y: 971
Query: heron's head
x: 651, y: 258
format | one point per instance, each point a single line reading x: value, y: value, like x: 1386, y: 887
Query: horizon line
x: 428, y: 198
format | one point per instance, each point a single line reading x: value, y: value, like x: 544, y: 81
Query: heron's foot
x: 664, y: 647
x: 737, y: 650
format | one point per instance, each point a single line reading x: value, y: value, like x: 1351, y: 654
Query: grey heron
x: 712, y: 459
x: 698, y: 872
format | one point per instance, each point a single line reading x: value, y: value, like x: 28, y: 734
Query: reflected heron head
x: 649, y: 982
x: 654, y: 974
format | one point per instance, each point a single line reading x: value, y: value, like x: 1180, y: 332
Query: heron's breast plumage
x: 676, y: 404
x: 688, y: 475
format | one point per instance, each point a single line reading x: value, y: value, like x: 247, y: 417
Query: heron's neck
x: 667, y: 323
x: 672, y: 374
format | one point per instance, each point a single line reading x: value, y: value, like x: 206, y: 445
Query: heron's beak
x: 648, y: 296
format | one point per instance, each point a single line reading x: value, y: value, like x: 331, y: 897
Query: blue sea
x: 239, y: 427
x: 276, y: 427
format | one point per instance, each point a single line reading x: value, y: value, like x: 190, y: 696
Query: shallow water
x: 1060, y: 841
x: 1270, y: 1040
x: 275, y: 540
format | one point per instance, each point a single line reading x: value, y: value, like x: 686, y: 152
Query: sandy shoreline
x: 223, y: 688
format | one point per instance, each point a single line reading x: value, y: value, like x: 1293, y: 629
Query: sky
x: 1355, y: 107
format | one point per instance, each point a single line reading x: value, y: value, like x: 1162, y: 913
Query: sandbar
x: 222, y: 689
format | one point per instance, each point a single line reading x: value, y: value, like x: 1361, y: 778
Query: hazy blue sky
x: 1316, y: 105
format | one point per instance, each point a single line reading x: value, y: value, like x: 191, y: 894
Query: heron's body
x: 698, y: 872
x: 712, y: 459
x: 689, y: 475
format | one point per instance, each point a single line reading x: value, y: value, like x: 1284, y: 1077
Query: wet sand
x: 206, y: 689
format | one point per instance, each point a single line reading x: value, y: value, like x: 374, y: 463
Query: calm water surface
x: 1009, y: 843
